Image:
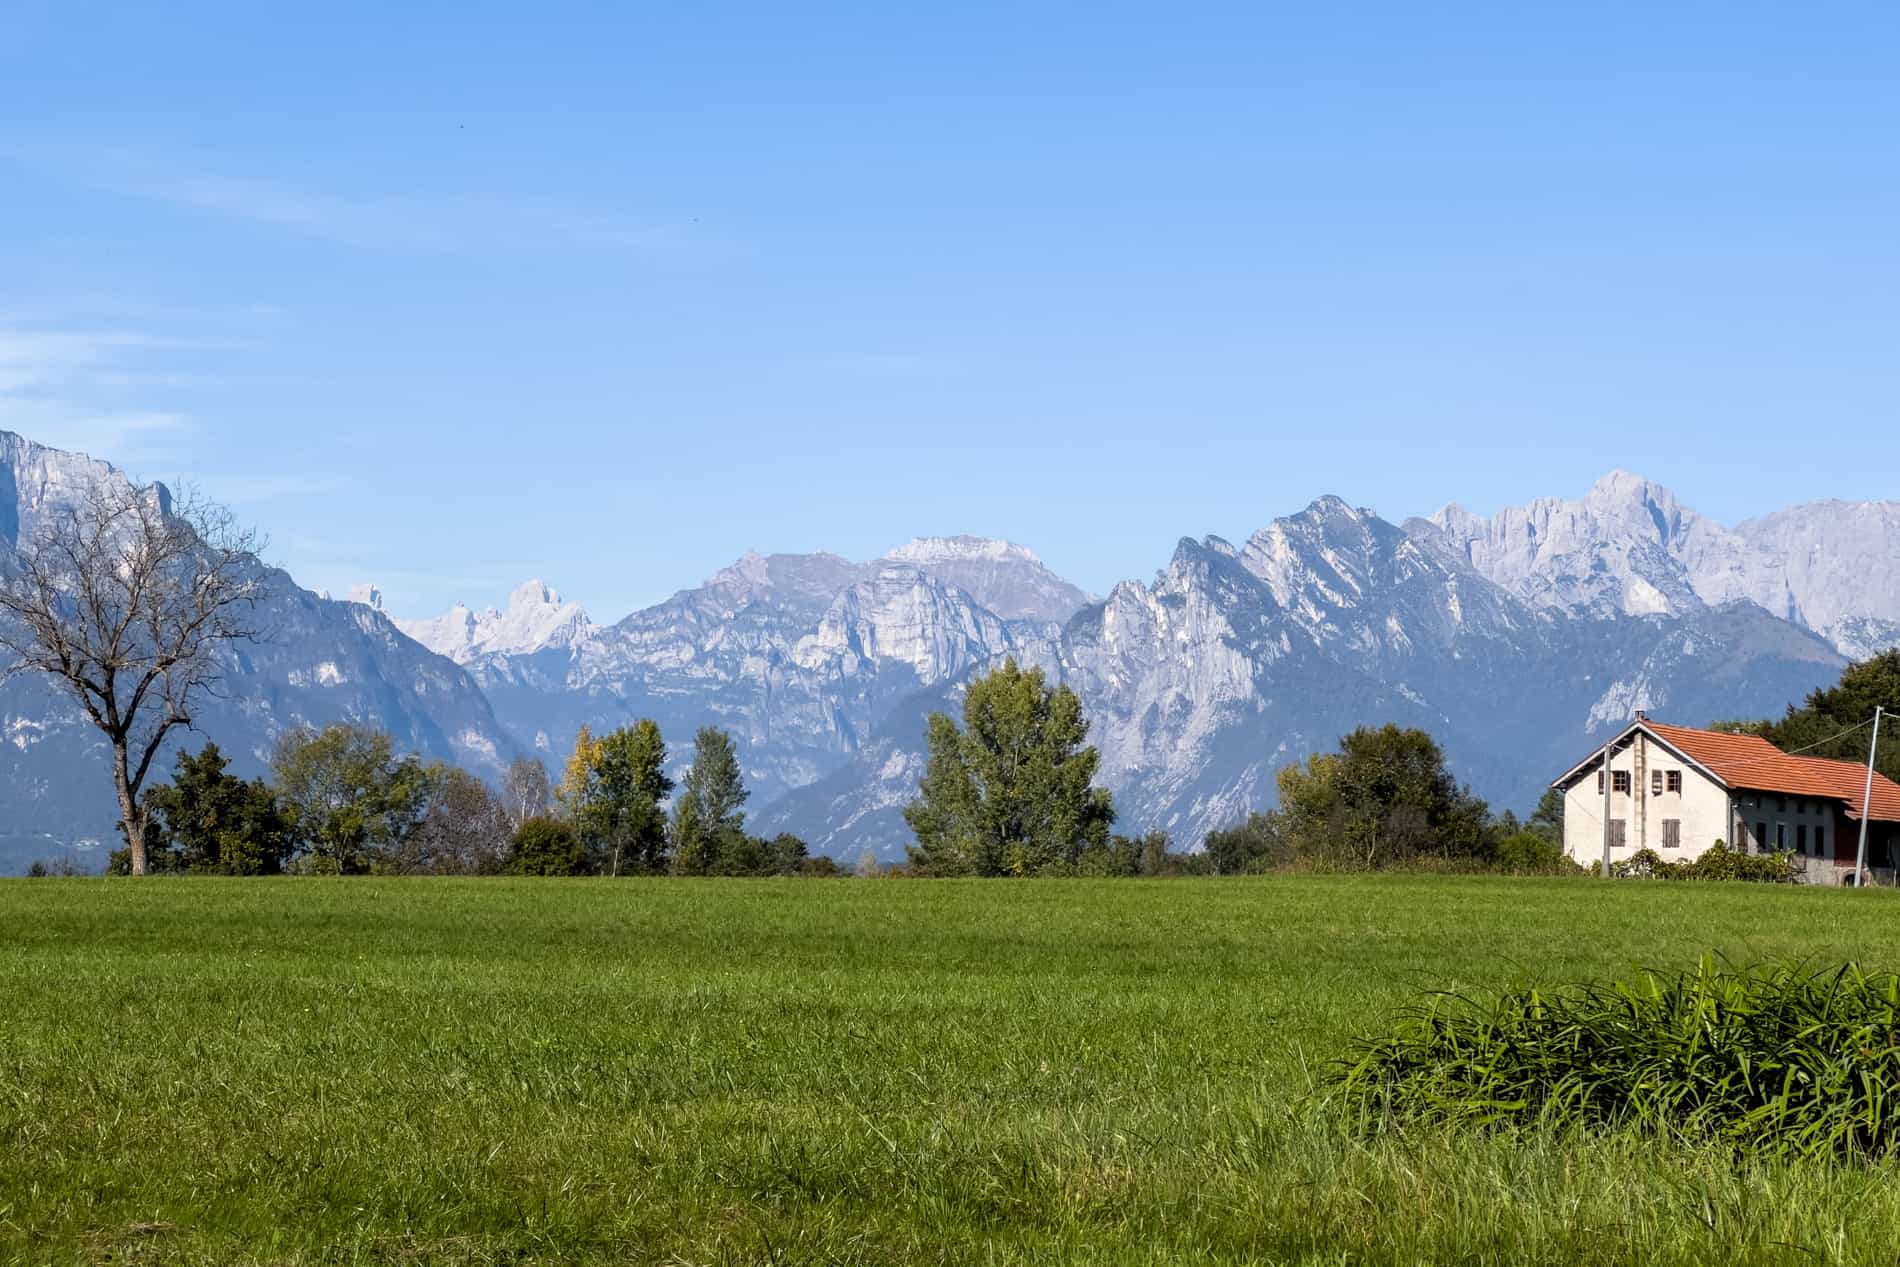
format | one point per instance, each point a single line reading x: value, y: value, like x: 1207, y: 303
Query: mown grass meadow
x: 678, y: 1071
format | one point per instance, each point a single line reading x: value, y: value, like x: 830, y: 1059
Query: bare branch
x: 126, y: 596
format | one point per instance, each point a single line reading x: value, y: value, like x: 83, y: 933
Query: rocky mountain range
x: 1517, y: 639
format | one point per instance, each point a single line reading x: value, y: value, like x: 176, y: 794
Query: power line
x: 1795, y: 752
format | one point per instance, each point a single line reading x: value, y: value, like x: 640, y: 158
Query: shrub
x: 1782, y: 1060
x: 1529, y: 853
x: 1250, y: 847
x: 1717, y: 862
x: 546, y: 846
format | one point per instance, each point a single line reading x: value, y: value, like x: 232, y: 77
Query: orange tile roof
x: 1749, y: 761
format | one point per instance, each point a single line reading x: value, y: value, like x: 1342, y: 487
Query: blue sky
x: 448, y: 297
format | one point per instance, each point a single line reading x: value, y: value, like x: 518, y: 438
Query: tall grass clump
x: 1783, y: 1060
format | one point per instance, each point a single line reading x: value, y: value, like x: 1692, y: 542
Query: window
x: 1761, y: 835
x: 1673, y: 780
x: 1801, y: 838
x: 1620, y: 781
x: 1619, y: 832
x: 1820, y: 842
x: 1781, y: 835
x: 1655, y: 782
x: 1672, y: 833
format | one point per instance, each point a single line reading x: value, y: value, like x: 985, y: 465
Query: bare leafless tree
x: 526, y: 789
x: 463, y: 829
x: 125, y: 598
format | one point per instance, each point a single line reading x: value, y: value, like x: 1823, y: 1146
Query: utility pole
x: 1607, y: 780
x: 1867, y: 805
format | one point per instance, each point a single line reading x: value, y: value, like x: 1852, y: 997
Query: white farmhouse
x: 1678, y: 790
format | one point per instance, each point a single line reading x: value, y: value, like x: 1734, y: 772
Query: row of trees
x: 1010, y: 792
x: 338, y: 801
x: 343, y: 801
x: 609, y: 815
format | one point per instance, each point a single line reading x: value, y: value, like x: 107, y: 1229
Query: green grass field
x: 657, y: 1071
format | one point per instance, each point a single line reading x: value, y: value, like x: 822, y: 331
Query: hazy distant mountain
x: 534, y: 619
x: 1831, y: 567
x: 1516, y: 639
x: 322, y: 661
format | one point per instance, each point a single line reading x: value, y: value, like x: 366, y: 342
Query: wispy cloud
x: 43, y: 377
x: 113, y: 435
x: 433, y: 222
x: 30, y: 357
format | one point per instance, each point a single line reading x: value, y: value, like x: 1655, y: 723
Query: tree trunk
x: 130, y: 812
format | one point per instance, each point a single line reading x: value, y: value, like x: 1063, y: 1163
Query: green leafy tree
x: 694, y: 848
x: 1009, y: 793
x: 714, y: 781
x: 708, y: 818
x: 788, y: 855
x: 210, y: 822
x: 1385, y: 796
x: 613, y: 791
x: 740, y: 854
x: 1120, y: 858
x: 352, y: 803
x: 1251, y: 846
x: 1155, y: 858
x: 546, y: 846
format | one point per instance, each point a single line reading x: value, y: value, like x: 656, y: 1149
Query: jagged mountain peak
x: 1630, y: 547
x: 535, y: 619
x: 533, y: 592
x: 1329, y: 507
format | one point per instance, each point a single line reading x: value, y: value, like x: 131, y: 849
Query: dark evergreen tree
x: 1547, y: 820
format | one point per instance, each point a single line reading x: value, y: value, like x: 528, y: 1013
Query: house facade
x: 1677, y: 790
